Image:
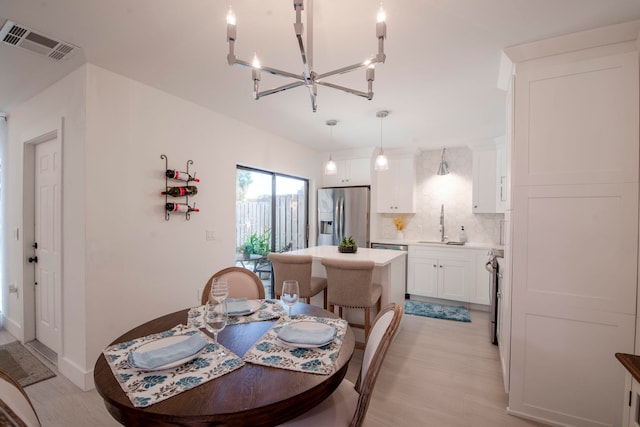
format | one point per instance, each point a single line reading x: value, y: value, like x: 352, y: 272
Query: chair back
x: 292, y: 267
x: 243, y: 283
x: 384, y: 329
x: 349, y: 282
x: 16, y: 408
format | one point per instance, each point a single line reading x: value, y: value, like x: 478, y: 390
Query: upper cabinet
x: 395, y: 188
x: 490, y: 192
x: 350, y: 172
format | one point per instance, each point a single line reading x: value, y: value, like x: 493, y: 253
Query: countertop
x: 631, y: 362
x: 468, y: 245
x: 379, y: 257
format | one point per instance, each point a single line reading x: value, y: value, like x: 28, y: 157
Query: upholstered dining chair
x: 242, y: 283
x: 16, y: 408
x: 297, y: 267
x: 350, y: 285
x: 348, y: 404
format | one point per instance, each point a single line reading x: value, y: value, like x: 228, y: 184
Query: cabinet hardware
x: 33, y: 259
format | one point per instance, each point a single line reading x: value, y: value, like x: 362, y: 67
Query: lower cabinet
x: 448, y: 273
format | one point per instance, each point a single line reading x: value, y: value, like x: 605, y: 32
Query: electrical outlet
x: 198, y: 294
x: 210, y: 235
x: 13, y: 289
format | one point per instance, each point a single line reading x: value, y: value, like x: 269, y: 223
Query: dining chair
x: 16, y: 408
x: 350, y: 285
x: 242, y: 283
x: 348, y: 404
x: 297, y: 267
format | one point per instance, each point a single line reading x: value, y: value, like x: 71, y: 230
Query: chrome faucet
x: 442, y: 236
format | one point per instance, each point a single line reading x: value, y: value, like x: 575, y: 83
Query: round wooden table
x: 253, y: 395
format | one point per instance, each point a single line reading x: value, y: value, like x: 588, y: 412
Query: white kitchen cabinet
x: 349, y: 172
x: 395, y: 188
x: 489, y: 174
x: 448, y: 273
x: 574, y: 188
x: 479, y: 292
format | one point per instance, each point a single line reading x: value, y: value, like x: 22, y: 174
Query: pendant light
x: 382, y: 163
x: 330, y: 168
x: 443, y: 169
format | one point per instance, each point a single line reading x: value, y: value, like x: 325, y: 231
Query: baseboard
x: 537, y: 419
x: 13, y: 328
x: 74, y: 373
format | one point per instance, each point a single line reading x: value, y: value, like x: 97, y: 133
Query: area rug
x: 22, y: 365
x: 447, y: 312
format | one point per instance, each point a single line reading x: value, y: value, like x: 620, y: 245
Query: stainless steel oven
x: 493, y: 267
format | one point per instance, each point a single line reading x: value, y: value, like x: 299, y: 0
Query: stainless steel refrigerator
x: 343, y: 211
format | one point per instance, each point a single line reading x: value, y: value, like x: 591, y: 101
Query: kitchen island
x: 390, y: 269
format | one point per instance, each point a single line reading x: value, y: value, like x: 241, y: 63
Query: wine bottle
x: 179, y: 207
x: 188, y: 190
x: 182, y: 176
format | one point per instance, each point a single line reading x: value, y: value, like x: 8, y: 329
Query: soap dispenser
x: 463, y: 235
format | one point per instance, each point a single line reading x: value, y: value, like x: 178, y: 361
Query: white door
x: 47, y: 236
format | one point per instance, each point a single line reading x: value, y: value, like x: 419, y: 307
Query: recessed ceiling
x: 439, y: 79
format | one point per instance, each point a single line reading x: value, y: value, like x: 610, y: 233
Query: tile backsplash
x: 454, y: 191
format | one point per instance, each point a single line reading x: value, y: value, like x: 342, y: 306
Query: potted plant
x: 347, y: 245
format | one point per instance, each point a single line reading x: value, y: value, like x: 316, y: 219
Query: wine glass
x: 219, y: 289
x: 290, y: 293
x: 215, y: 319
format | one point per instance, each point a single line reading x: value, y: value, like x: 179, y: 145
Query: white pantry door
x: 47, y: 234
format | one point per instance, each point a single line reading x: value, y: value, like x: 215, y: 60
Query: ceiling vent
x: 18, y: 35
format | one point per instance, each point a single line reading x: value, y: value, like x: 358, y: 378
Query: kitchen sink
x: 437, y: 242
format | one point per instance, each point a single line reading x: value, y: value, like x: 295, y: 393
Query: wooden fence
x: 254, y: 216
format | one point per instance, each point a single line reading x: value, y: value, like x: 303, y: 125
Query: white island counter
x: 390, y: 269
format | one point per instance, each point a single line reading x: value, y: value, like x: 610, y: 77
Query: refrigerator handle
x: 340, y: 219
x: 336, y: 220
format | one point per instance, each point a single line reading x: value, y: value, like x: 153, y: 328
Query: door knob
x: 33, y: 259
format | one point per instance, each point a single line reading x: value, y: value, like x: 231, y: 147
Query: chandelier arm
x: 280, y: 89
x: 368, y: 95
x: 349, y: 68
x: 274, y: 71
x: 299, y: 30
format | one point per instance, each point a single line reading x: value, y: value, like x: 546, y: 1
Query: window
x: 271, y: 215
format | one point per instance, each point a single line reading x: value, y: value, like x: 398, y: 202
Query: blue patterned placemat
x: 269, y: 310
x: 145, y: 388
x: 269, y: 351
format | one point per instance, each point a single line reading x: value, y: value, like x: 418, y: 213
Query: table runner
x: 145, y: 388
x: 270, y: 309
x: 269, y: 351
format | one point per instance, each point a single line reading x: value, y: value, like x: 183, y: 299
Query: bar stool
x: 350, y: 285
x: 297, y: 267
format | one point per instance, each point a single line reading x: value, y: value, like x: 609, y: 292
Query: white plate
x: 164, y: 342
x: 254, y: 305
x: 308, y: 325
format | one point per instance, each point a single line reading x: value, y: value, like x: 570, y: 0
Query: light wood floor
x: 436, y: 373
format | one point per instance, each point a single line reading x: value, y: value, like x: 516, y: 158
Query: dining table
x: 252, y: 395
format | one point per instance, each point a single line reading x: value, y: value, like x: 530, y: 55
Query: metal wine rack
x: 167, y: 214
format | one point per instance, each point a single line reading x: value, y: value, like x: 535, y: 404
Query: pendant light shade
x: 443, y: 169
x: 382, y: 163
x: 330, y: 168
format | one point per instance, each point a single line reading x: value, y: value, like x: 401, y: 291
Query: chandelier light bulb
x: 231, y: 17
x: 382, y: 16
x: 256, y: 61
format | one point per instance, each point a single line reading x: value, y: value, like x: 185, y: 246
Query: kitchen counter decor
x: 348, y: 246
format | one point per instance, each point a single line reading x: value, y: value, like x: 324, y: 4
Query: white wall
x: 455, y: 192
x: 129, y: 264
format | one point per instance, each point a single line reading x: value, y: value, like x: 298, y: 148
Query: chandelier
x: 309, y: 77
